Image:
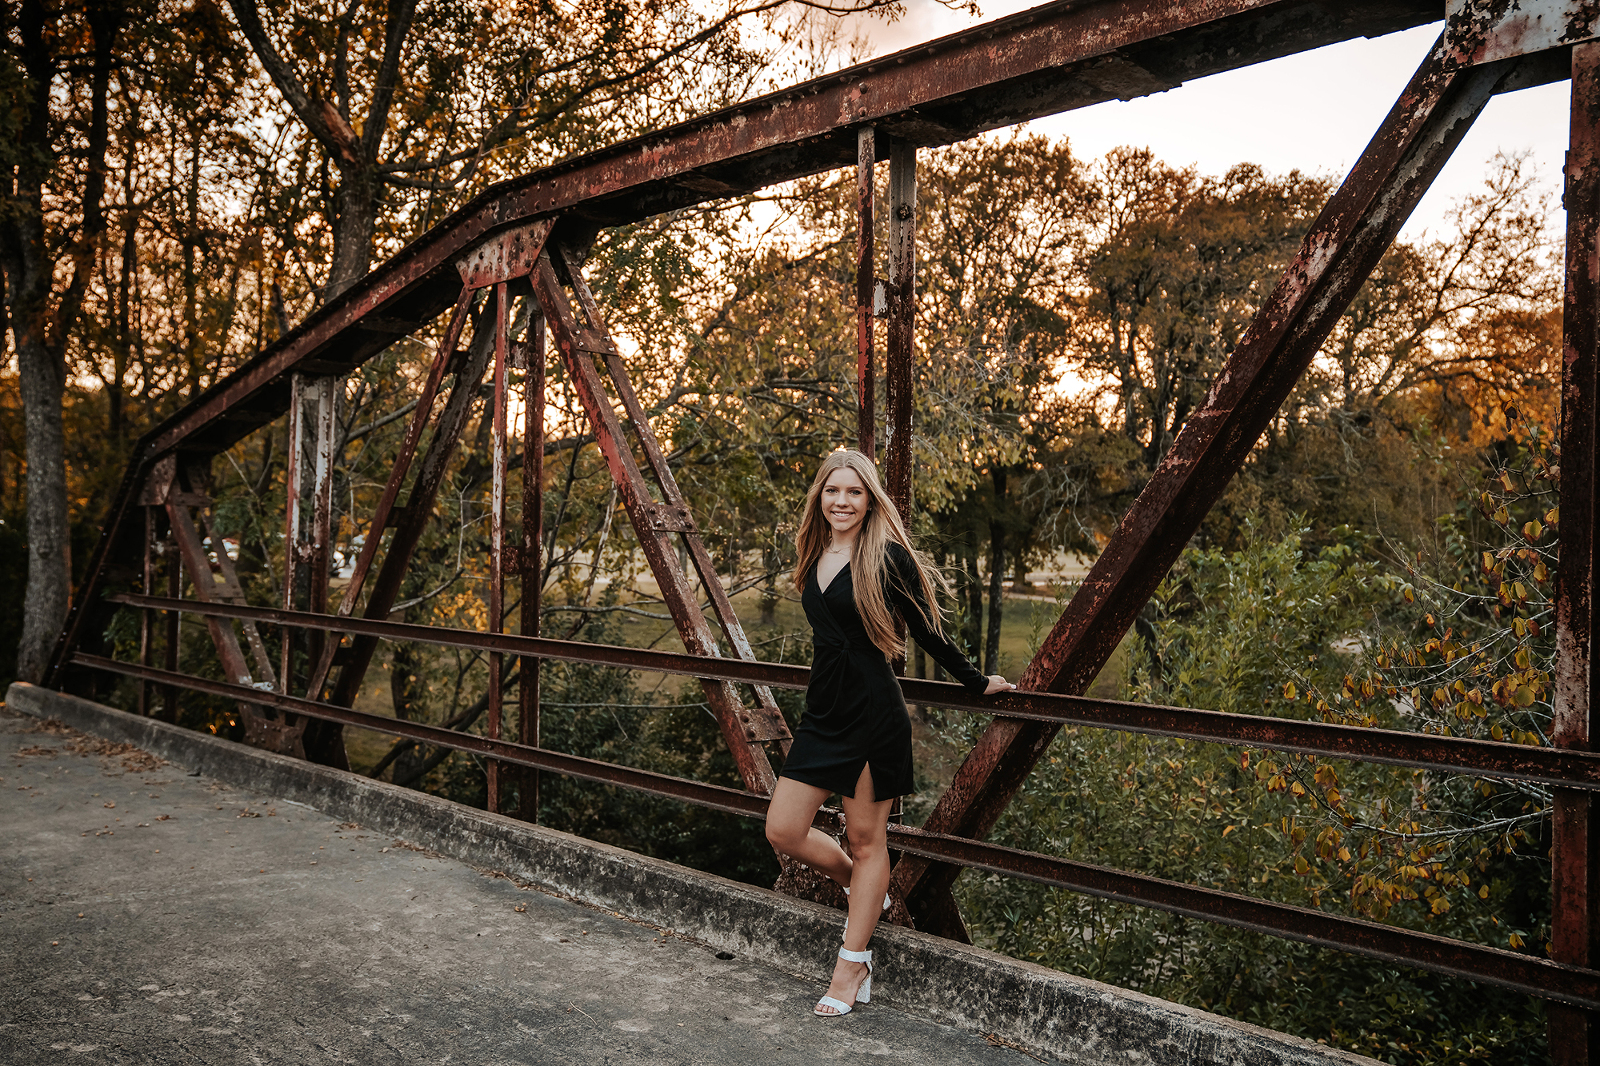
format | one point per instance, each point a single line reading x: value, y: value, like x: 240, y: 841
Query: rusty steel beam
x: 1511, y: 970
x: 1575, y: 823
x: 418, y: 512
x: 1579, y: 986
x: 1054, y: 58
x: 1350, y: 235
x: 291, y: 525
x: 319, y: 552
x: 230, y: 590
x: 307, y: 558
x: 745, y: 729
x: 902, y: 311
x: 717, y: 797
x: 1501, y: 29
x: 1482, y: 758
x: 497, y: 527
x: 259, y: 728
x: 530, y: 562
x: 866, y: 292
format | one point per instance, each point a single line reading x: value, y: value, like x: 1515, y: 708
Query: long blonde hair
x: 869, y: 554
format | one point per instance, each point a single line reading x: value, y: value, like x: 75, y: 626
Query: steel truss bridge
x: 523, y: 242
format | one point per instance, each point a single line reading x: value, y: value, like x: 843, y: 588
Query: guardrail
x: 1577, y: 986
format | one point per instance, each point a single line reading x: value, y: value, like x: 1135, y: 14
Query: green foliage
x: 1251, y: 631
x: 601, y: 713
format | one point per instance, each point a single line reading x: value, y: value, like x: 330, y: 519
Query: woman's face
x: 845, y: 502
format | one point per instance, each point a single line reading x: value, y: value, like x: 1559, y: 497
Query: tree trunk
x: 355, y: 215
x: 997, y: 576
x: 974, y: 590
x: 193, y: 356
x: 38, y: 336
x: 939, y: 560
x: 44, y: 605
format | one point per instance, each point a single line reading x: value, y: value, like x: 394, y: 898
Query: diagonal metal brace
x: 656, y: 521
x: 1351, y: 234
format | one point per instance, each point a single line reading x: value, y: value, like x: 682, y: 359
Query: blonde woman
x: 857, y: 573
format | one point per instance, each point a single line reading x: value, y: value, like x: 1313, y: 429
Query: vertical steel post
x: 530, y: 558
x: 902, y: 314
x: 1575, y: 857
x: 174, y: 560
x: 291, y: 525
x: 497, y: 529
x: 318, y: 552
x: 147, y: 584
x: 866, y: 291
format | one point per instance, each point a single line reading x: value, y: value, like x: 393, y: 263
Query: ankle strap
x: 855, y: 956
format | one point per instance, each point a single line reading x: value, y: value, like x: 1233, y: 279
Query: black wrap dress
x: 855, y: 712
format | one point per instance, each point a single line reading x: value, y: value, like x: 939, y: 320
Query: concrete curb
x: 1047, y: 1012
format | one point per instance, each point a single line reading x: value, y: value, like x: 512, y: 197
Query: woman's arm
x: 905, y: 594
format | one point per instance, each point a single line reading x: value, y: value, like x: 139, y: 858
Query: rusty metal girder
x: 514, y: 251
x: 1575, y: 822
x: 1352, y: 232
x: 1054, y: 58
x: 1578, y: 986
x: 866, y: 292
x: 397, y: 475
x: 408, y: 530
x: 509, y: 256
x: 1491, y: 30
x: 745, y: 729
x: 902, y: 313
x: 308, y: 556
x: 530, y: 561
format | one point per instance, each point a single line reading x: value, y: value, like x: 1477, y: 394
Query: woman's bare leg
x: 790, y: 832
x: 867, y: 825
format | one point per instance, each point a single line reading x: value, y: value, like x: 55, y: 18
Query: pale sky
x: 1314, y: 111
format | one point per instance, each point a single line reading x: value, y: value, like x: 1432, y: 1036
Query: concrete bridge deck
x: 168, y: 897
x: 150, y: 916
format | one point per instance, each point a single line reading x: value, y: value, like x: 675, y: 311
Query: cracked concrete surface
x: 149, y: 916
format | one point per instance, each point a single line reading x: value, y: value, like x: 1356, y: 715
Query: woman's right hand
x: 998, y: 684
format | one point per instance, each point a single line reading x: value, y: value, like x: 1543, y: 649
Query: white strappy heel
x: 863, y: 994
x: 887, y: 903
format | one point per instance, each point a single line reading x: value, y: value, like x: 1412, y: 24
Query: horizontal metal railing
x: 1557, y: 767
x: 1518, y: 972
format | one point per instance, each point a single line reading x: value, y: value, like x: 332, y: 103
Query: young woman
x: 857, y: 573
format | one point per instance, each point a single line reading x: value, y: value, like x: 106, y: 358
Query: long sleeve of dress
x: 905, y: 595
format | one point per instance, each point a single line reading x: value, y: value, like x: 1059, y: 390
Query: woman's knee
x: 866, y: 840
x: 783, y: 837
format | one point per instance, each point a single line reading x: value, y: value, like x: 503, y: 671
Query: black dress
x: 855, y: 712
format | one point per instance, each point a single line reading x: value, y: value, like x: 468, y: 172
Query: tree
x: 1173, y: 275
x: 411, y: 104
x: 50, y: 233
